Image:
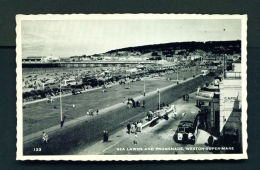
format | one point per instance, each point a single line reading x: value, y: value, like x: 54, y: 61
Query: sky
x: 65, y: 38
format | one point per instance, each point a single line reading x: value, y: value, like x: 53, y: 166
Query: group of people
x: 91, y: 112
x: 131, y: 103
x: 134, y: 127
x: 162, y: 105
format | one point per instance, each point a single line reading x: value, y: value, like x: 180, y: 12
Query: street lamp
x: 144, y: 86
x: 158, y: 90
x: 61, y: 119
x: 177, y: 72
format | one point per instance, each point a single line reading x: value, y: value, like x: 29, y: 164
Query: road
x: 153, y: 140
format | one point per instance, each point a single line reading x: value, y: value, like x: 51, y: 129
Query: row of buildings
x: 221, y: 106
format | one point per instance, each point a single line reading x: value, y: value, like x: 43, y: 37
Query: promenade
x: 157, y: 139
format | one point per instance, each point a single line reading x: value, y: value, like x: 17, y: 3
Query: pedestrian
x: 139, y: 126
x: 133, y: 103
x: 73, y: 105
x: 135, y: 141
x: 104, y: 136
x: 132, y: 128
x: 97, y: 111
x: 143, y: 103
x: 45, y: 137
x: 128, y: 126
x: 137, y: 103
x: 210, y: 140
x: 107, y: 136
x: 175, y: 115
x: 166, y: 117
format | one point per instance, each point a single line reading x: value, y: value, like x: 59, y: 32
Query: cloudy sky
x: 66, y: 38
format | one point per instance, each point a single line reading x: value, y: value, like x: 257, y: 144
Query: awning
x: 203, y: 98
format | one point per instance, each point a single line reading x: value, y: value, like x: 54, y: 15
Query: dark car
x: 185, y: 132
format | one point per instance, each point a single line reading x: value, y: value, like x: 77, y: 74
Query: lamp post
x: 224, y: 65
x: 194, y: 70
x: 177, y: 73
x: 144, y: 86
x: 61, y: 119
x: 144, y: 71
x: 158, y: 90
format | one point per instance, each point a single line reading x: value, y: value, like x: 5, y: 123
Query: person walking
x: 133, y: 128
x: 139, y: 126
x: 45, y: 137
x: 107, y: 136
x: 97, y: 111
x: 104, y: 136
x: 143, y: 103
x: 135, y: 140
x: 128, y: 126
x: 133, y: 103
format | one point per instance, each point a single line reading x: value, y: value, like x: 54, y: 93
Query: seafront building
x: 230, y: 124
x: 221, y: 106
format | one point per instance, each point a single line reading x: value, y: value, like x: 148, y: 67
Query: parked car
x: 187, y: 128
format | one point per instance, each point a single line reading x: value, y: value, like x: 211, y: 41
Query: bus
x: 49, y: 84
x: 68, y: 82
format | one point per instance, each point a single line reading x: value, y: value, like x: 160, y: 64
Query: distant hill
x: 216, y: 47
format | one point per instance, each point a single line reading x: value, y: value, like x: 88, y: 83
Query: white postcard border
x: 19, y: 145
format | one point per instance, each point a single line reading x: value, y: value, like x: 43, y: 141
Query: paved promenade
x: 157, y: 137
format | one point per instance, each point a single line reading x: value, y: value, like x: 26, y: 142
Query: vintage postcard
x: 131, y: 87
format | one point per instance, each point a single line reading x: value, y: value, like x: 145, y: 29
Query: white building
x: 51, y: 59
x: 230, y: 124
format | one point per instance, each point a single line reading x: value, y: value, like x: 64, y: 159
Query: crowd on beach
x: 42, y: 84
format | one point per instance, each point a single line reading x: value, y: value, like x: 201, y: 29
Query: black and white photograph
x: 118, y: 87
